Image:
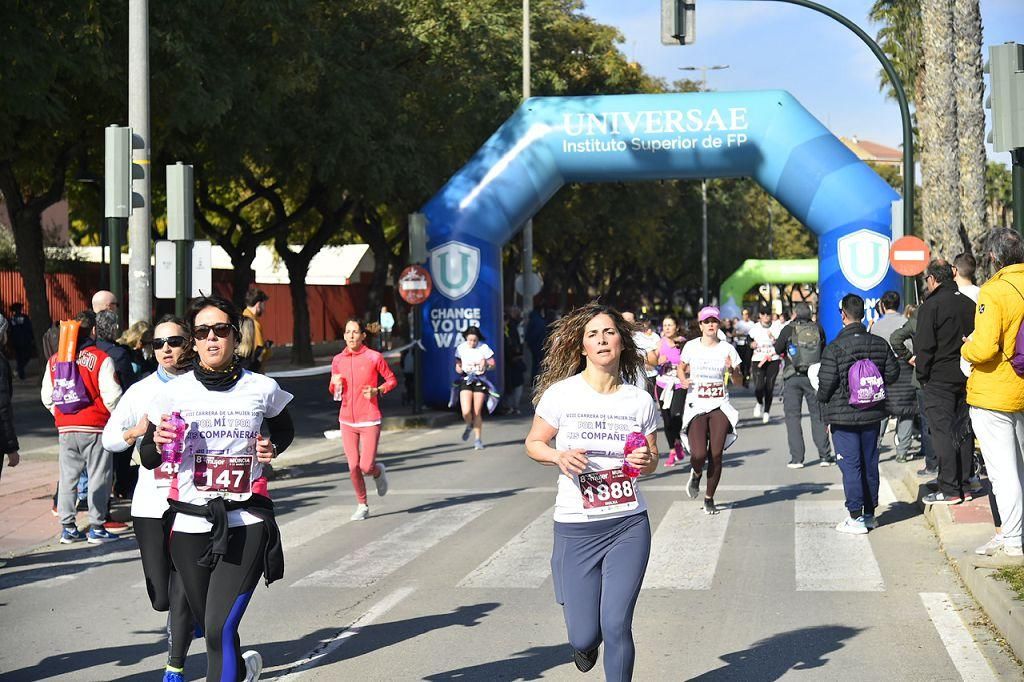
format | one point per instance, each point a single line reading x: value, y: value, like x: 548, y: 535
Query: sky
x: 775, y: 45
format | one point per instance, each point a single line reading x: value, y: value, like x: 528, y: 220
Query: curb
x: 997, y: 600
x: 427, y: 420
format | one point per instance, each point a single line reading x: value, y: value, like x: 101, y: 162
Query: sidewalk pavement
x: 960, y: 529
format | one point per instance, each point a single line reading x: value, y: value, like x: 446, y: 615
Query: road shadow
x: 782, y: 494
x: 77, y: 663
x: 771, y: 658
x: 454, y: 501
x: 529, y: 664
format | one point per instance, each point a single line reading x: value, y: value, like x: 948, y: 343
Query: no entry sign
x: 414, y: 285
x: 909, y: 256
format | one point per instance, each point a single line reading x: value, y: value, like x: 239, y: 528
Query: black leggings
x: 166, y: 593
x: 707, y: 432
x: 673, y: 426
x: 220, y: 596
x: 764, y: 383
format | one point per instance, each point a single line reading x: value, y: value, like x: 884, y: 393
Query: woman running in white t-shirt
x: 708, y: 419
x: 587, y: 404
x: 473, y: 358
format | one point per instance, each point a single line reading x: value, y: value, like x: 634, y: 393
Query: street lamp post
x: 528, y: 227
x: 704, y: 190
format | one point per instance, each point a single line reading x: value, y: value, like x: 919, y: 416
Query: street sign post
x: 415, y: 286
x: 909, y: 256
x: 165, y: 272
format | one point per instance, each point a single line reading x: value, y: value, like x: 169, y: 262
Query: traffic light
x: 117, y: 171
x: 678, y: 22
x: 1006, y: 99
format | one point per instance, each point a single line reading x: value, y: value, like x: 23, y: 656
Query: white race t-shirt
x: 149, y: 500
x: 599, y: 423
x: 765, y: 338
x: 646, y: 343
x: 707, y: 373
x: 221, y: 424
x: 474, y: 360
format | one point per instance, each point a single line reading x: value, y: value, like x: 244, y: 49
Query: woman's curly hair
x: 563, y: 349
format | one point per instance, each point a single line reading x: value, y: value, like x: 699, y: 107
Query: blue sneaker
x: 174, y: 674
x: 70, y: 535
x: 97, y: 536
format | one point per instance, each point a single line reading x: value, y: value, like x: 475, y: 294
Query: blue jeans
x: 857, y: 455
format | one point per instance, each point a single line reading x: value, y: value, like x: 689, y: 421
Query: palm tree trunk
x: 937, y: 123
x: 970, y: 117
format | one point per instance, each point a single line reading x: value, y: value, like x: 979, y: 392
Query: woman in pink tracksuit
x: 355, y: 382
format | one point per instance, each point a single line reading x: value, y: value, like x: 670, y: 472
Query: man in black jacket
x: 800, y: 351
x: 943, y: 321
x: 855, y: 428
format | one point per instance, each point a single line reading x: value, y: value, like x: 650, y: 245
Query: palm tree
x: 900, y: 39
x: 940, y: 208
x: 970, y: 117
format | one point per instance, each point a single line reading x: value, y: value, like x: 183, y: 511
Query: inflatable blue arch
x: 550, y: 141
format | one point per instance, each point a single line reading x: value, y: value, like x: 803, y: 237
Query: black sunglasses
x: 172, y: 341
x: 221, y: 329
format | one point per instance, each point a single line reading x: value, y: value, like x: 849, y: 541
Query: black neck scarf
x: 218, y: 380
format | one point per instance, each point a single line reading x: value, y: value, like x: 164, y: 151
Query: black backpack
x: 804, y: 345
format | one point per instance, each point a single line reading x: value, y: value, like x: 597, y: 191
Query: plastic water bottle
x: 634, y: 440
x: 172, y: 452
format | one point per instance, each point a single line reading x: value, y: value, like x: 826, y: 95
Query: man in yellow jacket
x: 995, y: 392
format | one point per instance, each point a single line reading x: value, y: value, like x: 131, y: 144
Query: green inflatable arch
x: 754, y: 272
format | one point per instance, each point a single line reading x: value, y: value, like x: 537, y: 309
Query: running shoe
x: 677, y: 448
x: 478, y: 444
x: 870, y: 522
x: 174, y: 674
x: 941, y: 498
x: 826, y: 462
x: 585, y: 660
x: 361, y: 512
x: 116, y: 527
x: 70, y: 535
x: 382, y: 480
x: 852, y: 526
x: 926, y: 472
x: 671, y: 461
x: 757, y: 410
x: 709, y: 506
x: 990, y: 547
x: 253, y: 665
x: 795, y: 465
x: 466, y: 432
x: 1014, y: 550
x: 98, y: 536
x: 694, y: 486
x: 765, y: 418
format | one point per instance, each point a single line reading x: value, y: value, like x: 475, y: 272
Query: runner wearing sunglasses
x: 224, y: 532
x: 126, y: 426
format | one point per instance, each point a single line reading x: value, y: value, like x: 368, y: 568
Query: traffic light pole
x: 1017, y: 155
x: 115, y: 228
x: 909, y: 290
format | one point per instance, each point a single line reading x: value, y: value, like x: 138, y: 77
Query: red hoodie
x: 361, y: 368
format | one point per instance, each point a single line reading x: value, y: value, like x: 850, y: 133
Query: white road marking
x: 886, y: 496
x: 378, y: 559
x: 685, y: 548
x: 830, y: 561
x: 327, y: 646
x: 87, y: 560
x: 299, y: 531
x: 957, y: 639
x: 655, y: 488
x: 523, y: 561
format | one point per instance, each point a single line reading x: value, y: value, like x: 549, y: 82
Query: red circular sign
x: 909, y: 256
x: 414, y: 285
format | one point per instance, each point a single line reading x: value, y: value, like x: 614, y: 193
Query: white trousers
x: 1001, y: 435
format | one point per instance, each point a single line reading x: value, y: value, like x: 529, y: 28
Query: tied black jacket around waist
x: 853, y: 343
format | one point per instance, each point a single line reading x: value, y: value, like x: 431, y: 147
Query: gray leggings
x: 598, y: 568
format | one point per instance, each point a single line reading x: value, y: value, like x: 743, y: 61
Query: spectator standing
x: 80, y: 434
x: 964, y: 266
x: 944, y: 319
x: 855, y: 427
x: 108, y: 329
x: 255, y: 306
x: 902, y: 342
x: 103, y: 300
x: 995, y: 392
x: 801, y: 343
x: 901, y: 398
x: 515, y: 364
x: 137, y: 340
x: 8, y: 435
x: 22, y: 338
x: 387, y: 325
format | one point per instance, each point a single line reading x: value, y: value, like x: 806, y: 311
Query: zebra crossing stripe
x: 830, y: 561
x: 308, y: 527
x: 380, y: 558
x: 521, y: 562
x: 685, y: 548
x: 962, y: 649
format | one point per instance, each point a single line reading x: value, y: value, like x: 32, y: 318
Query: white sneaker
x: 990, y: 547
x: 795, y: 465
x: 382, y: 480
x: 253, y: 665
x: 870, y: 522
x: 852, y: 526
x: 765, y: 418
x: 757, y: 410
x: 1013, y: 550
x: 361, y: 512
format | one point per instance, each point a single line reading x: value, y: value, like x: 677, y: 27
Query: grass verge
x: 1014, y: 577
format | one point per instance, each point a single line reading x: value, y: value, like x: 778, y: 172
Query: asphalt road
x: 448, y: 579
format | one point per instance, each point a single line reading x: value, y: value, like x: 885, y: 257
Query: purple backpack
x: 1017, y: 359
x: 867, y: 388
x: 69, y: 394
